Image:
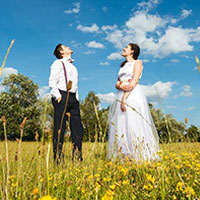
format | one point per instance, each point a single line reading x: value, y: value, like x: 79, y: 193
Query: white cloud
x: 116, y: 37
x: 106, y: 98
x: 171, y: 107
x: 76, y: 9
x: 156, y: 35
x: 147, y: 5
x: 195, y: 34
x: 186, y: 91
x: 104, y: 63
x: 89, y: 52
x: 2, y: 88
x: 85, y: 79
x: 145, y: 22
x: 115, y: 56
x: 174, y: 61
x: 44, y: 91
x: 7, y: 71
x: 158, y: 90
x: 185, y: 13
x: 88, y: 29
x: 145, y: 60
x: 109, y: 28
x: 190, y: 108
x: 94, y: 44
x: 104, y: 8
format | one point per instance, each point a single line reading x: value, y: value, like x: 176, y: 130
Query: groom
x: 63, y: 82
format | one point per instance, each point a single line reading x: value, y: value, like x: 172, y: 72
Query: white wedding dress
x: 132, y: 133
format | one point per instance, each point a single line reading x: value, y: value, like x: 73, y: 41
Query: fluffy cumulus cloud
x: 76, y: 9
x: 185, y: 13
x: 158, y: 90
x: 94, y: 44
x: 174, y: 61
x: 186, y: 91
x: 106, y: 98
x: 114, y: 56
x: 190, y: 108
x: 2, y: 88
x: 104, y: 63
x: 153, y: 92
x: 7, y: 71
x: 155, y: 34
x: 148, y: 5
x: 44, y: 91
x: 109, y: 28
x: 88, y: 29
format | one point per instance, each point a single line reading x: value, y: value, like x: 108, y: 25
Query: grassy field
x: 33, y: 175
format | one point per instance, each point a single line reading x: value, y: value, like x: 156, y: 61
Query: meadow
x: 27, y: 171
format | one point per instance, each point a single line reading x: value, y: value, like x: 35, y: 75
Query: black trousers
x: 75, y: 125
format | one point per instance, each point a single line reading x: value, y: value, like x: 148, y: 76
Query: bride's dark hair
x: 135, y: 47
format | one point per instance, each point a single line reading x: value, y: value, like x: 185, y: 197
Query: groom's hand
x: 59, y: 99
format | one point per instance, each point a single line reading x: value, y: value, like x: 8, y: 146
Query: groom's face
x: 66, y: 50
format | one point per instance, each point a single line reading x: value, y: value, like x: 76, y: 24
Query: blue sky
x: 167, y: 31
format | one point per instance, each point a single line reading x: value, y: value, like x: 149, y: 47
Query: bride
x: 132, y: 131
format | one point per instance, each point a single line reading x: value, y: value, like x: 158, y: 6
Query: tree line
x: 21, y: 99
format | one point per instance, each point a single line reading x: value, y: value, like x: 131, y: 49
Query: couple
x: 131, y: 129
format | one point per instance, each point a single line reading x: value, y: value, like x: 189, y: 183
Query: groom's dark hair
x: 57, y: 51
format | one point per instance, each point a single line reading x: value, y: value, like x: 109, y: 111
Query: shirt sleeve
x: 54, y: 79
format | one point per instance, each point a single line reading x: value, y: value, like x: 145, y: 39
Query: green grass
x: 175, y: 176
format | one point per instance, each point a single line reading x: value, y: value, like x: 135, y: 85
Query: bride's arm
x: 136, y: 76
x: 128, y: 88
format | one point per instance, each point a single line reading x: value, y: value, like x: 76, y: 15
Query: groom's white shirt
x: 57, y: 77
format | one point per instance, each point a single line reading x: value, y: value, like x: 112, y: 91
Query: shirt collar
x: 68, y: 59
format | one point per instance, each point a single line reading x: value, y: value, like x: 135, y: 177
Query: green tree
x: 88, y: 116
x: 169, y: 129
x: 193, y: 134
x: 19, y: 101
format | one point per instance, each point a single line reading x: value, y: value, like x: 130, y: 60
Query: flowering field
x: 33, y: 175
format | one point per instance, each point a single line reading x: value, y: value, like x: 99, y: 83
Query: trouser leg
x: 76, y: 130
x: 58, y: 136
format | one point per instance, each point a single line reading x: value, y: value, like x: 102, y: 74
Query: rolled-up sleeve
x: 54, y: 78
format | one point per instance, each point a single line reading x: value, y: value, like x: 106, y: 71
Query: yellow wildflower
x: 112, y: 187
x: 179, y: 186
x: 126, y: 182
x: 48, y: 197
x: 150, y: 178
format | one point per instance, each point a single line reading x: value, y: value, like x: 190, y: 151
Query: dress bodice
x: 126, y: 72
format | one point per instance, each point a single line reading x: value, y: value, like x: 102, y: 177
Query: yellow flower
x: 83, y: 190
x: 106, y: 179
x: 35, y: 191
x: 108, y: 195
x: 174, y: 197
x: 97, y: 175
x: 90, y: 177
x: 124, y: 170
x: 150, y: 178
x: 48, y: 197
x: 179, y: 186
x: 189, y: 190
x: 148, y: 187
x: 126, y: 182
x: 178, y: 167
x: 112, y: 187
